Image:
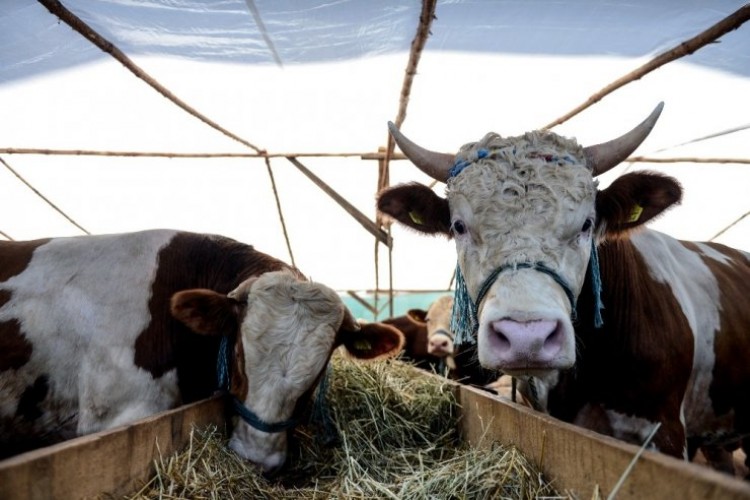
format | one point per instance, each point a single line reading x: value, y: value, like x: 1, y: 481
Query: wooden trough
x: 116, y: 462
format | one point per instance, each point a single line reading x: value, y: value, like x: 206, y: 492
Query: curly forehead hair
x: 534, y: 162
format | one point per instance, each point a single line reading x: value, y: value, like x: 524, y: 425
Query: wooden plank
x: 111, y: 462
x: 578, y: 460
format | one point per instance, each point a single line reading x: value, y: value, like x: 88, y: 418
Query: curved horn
x: 603, y: 157
x: 436, y: 165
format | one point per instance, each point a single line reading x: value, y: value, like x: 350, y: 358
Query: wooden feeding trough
x: 579, y: 463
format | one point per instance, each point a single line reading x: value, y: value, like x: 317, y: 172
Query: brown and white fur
x: 676, y: 335
x: 98, y: 331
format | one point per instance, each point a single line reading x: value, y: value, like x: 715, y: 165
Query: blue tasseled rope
x: 321, y: 411
x: 463, y: 314
x: 464, y: 320
x: 596, y: 284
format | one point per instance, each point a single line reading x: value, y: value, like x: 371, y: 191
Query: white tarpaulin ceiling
x: 504, y: 66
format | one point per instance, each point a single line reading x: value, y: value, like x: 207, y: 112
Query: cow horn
x: 436, y: 165
x: 603, y: 157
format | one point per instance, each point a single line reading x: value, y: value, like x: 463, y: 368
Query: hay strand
x: 398, y: 438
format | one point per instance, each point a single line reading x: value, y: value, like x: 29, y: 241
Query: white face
x: 531, y: 201
x: 439, y: 335
x: 288, y: 335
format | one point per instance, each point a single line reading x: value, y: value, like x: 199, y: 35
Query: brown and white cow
x: 98, y: 331
x: 429, y: 345
x: 439, y: 334
x: 414, y: 329
x: 528, y: 220
x: 429, y: 341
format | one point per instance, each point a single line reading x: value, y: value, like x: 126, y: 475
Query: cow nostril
x: 554, y: 339
x: 503, y: 342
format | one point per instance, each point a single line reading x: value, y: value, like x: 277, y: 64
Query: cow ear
x: 634, y: 199
x: 419, y: 316
x: 369, y: 341
x: 416, y: 206
x: 205, y: 311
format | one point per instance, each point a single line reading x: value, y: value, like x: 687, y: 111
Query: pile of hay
x: 397, y: 438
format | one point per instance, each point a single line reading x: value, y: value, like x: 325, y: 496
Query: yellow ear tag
x: 362, y: 345
x: 416, y: 218
x: 635, y: 214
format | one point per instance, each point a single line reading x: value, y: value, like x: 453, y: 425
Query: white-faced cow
x: 439, y: 334
x: 414, y: 329
x: 98, y: 331
x: 429, y: 345
x: 616, y: 329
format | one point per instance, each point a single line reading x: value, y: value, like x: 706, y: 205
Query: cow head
x: 437, y: 321
x: 519, y: 205
x: 284, y: 330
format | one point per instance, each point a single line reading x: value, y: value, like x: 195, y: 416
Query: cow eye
x: 587, y: 225
x: 458, y: 227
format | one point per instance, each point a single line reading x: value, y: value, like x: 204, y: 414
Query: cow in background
x: 414, y: 329
x: 429, y: 344
x: 99, y: 331
x: 541, y: 249
x: 439, y: 334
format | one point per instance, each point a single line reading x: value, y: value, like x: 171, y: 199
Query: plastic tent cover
x: 325, y: 77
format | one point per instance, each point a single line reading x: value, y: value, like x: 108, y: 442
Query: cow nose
x: 530, y: 343
x: 439, y: 343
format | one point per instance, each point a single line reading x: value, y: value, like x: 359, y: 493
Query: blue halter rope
x: 222, y: 370
x: 464, y: 319
x: 464, y: 316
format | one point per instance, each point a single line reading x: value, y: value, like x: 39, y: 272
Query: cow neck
x: 249, y: 416
x: 464, y: 315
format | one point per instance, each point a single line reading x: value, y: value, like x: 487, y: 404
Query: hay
x: 397, y: 439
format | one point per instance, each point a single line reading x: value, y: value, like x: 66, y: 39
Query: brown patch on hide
x: 415, y: 335
x: 416, y: 206
x: 639, y: 362
x: 192, y: 261
x: 15, y: 350
x: 15, y: 257
x: 29, y: 402
x: 238, y: 375
x: 731, y: 373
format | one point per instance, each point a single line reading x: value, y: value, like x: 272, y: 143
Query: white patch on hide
x: 631, y: 429
x: 82, y: 310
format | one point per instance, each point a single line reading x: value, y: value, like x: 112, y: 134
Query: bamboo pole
x: 161, y: 154
x: 727, y: 228
x: 381, y: 235
x: 44, y: 198
x: 729, y: 23
x: 646, y: 159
